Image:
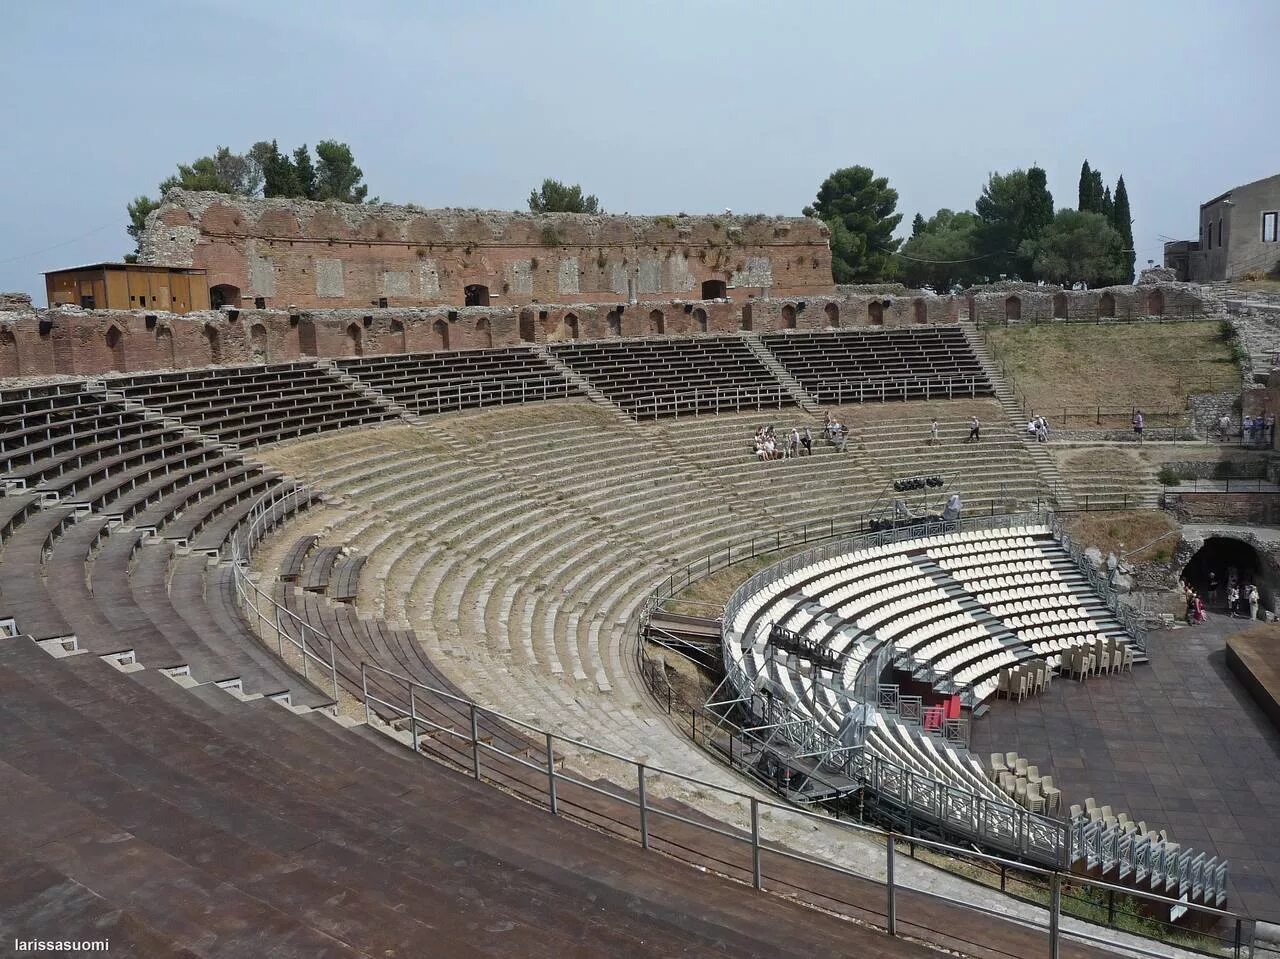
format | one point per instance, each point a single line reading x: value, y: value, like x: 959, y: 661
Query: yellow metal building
x: 129, y: 286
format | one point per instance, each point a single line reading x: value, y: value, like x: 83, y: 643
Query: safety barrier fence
x: 764, y: 860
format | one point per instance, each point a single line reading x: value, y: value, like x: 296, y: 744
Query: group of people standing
x: 1038, y: 427
x: 1240, y: 600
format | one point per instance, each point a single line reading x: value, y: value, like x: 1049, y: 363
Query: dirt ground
x: 1133, y: 534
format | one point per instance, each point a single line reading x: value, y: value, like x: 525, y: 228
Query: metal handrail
x: 269, y: 508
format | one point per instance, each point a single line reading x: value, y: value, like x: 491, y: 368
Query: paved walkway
x: 1178, y: 744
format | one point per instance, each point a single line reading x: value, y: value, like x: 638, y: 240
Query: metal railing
x: 710, y: 400
x: 767, y: 862
x: 882, y: 390
x: 1130, y: 617
x: 640, y: 820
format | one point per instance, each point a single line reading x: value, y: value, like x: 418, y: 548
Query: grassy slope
x: 1154, y: 366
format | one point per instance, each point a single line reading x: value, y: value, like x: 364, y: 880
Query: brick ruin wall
x: 71, y: 341
x: 1029, y: 303
x: 309, y: 255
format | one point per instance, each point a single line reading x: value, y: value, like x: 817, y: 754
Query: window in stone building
x: 259, y: 302
x: 86, y: 303
x: 1271, y: 227
x: 1219, y: 231
x: 713, y: 289
x: 475, y: 294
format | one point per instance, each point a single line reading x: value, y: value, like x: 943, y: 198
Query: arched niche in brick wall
x: 788, y: 317
x: 614, y: 322
x: 1155, y: 303
x: 164, y: 347
x: 1107, y: 304
x: 397, y: 341
x: 258, y: 343
x: 355, y: 340
x: 1059, y: 306
x: 920, y: 310
x: 746, y: 316
x: 875, y: 313
x: 213, y: 340
x: 699, y: 320
x: 657, y: 323
x: 528, y: 332
x: 570, y: 326
x: 484, y: 332
x: 9, y: 365
x: 115, y: 346
x: 441, y: 331
x: 833, y: 314
x: 1013, y: 309
x: 307, y: 337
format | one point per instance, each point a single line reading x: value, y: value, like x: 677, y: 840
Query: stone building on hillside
x: 281, y: 253
x: 1239, y: 234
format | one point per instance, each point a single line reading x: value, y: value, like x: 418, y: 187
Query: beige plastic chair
x: 997, y: 764
x: 1033, y: 800
x: 1053, y: 796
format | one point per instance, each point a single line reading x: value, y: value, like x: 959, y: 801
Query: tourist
x: 806, y: 440
x: 1139, y: 424
x: 1224, y: 426
x: 933, y: 432
x: 1042, y: 430
x: 975, y: 431
x: 1252, y: 597
x: 1200, y: 614
x: 1270, y: 425
x: 1191, y: 607
x: 1233, y: 600
x: 793, y: 448
x: 1033, y: 426
x: 1213, y: 586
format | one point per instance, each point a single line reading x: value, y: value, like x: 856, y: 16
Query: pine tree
x: 1085, y: 202
x: 1039, y: 209
x: 1123, y: 222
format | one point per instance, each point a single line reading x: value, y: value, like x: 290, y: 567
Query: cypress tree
x: 1107, y: 207
x: 1123, y: 222
x: 917, y: 225
x: 1085, y: 203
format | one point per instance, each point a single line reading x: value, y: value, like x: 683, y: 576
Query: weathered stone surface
x: 397, y: 283
x: 15, y: 302
x: 329, y: 278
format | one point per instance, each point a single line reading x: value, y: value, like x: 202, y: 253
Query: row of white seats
x: 1010, y: 568
x: 973, y: 551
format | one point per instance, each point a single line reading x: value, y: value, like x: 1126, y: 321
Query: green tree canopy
x: 858, y: 208
x: 1014, y: 208
x: 944, y: 253
x: 1122, y: 220
x: 1077, y: 245
x: 917, y: 224
x: 555, y: 197
x: 263, y: 168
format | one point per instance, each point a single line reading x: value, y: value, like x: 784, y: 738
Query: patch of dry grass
x: 1123, y: 531
x: 1257, y: 286
x: 707, y: 596
x: 1154, y: 366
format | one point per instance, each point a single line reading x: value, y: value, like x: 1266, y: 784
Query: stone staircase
x: 373, y: 395
x: 1107, y: 475
x: 1059, y: 491
x: 798, y: 392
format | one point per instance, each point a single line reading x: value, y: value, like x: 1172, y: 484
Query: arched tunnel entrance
x: 1224, y: 560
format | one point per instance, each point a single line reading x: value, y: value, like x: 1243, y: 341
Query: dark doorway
x: 224, y: 294
x: 570, y: 326
x: 713, y: 289
x: 1155, y: 303
x: 920, y: 311
x: 1107, y: 304
x: 527, y: 334
x: 1012, y: 309
x: 1224, y: 556
x: 657, y: 323
x: 833, y: 314
x: 397, y: 344
x: 441, y: 330
x: 355, y: 340
x: 1059, y: 306
x: 875, y: 313
x: 699, y: 320
x: 746, y: 316
x: 484, y: 332
x: 788, y: 317
x: 475, y: 294
x: 614, y: 320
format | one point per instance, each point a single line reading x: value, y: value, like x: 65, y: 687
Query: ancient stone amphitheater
x: 340, y: 657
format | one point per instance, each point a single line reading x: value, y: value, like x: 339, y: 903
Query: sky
x: 655, y: 106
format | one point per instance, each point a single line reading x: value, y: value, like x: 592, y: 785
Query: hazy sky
x: 657, y: 107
